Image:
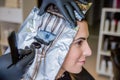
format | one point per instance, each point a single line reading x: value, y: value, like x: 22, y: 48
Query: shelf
x: 111, y: 33
x: 111, y: 10
x: 13, y: 15
x: 3, y: 43
x: 103, y: 35
x: 105, y: 73
x: 105, y: 53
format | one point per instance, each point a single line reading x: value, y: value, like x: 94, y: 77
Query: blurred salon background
x: 104, y: 27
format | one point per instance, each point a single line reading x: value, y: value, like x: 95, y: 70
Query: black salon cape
x: 83, y: 75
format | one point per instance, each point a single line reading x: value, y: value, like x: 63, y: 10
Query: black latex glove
x: 83, y: 1
x: 66, y: 7
x: 16, y: 71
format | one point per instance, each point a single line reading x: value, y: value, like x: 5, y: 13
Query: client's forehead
x: 83, y: 30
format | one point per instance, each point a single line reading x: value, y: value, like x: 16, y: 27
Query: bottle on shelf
x: 112, y: 29
x: 113, y: 45
x: 107, y: 24
x: 110, y: 68
x: 103, y: 66
x: 105, y: 47
x: 118, y: 27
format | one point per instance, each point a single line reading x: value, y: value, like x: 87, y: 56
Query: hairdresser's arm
x: 15, y: 71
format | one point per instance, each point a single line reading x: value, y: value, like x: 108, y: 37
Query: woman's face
x: 78, y: 51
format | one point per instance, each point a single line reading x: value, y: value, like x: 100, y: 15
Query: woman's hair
x: 73, y: 76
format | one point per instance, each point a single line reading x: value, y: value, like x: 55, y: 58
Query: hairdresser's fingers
x: 66, y: 14
x: 78, y: 9
x: 83, y: 1
x: 24, y: 51
x: 70, y: 11
x: 43, y: 7
x: 27, y: 59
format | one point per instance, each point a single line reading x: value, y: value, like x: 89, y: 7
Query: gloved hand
x: 66, y: 7
x: 15, y: 71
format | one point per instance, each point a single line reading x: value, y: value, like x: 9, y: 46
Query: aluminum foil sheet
x: 49, y: 58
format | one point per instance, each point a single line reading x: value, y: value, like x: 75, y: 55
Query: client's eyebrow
x: 81, y: 38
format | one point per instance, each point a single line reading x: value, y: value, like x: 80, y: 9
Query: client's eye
x: 79, y: 43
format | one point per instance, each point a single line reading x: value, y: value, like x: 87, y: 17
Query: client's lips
x: 82, y: 62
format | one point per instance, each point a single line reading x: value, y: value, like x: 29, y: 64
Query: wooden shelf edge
x: 111, y: 33
x: 105, y: 74
x: 105, y: 53
x: 3, y: 43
